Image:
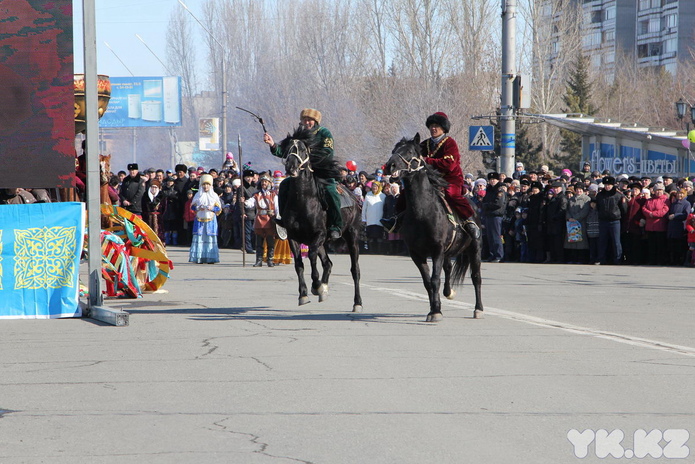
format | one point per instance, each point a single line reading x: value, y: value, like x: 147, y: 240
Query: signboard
x: 144, y: 102
x: 40, y: 247
x: 209, y: 134
x: 481, y: 138
x: 37, y: 131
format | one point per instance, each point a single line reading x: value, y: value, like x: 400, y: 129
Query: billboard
x: 209, y: 134
x: 37, y: 130
x: 143, y: 102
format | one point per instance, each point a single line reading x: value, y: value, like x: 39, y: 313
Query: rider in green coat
x: 311, y: 119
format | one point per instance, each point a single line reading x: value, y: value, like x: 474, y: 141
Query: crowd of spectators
x: 583, y: 217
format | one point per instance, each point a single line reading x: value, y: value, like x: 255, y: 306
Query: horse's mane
x: 323, y: 166
x: 434, y: 176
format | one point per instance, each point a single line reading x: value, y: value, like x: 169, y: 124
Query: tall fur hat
x: 206, y: 179
x: 311, y: 113
x: 440, y: 119
x: 181, y: 168
x: 133, y: 166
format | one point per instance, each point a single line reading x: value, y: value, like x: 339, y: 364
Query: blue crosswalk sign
x: 481, y: 138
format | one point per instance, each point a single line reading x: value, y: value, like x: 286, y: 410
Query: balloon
x: 352, y: 166
x: 686, y: 143
x: 691, y: 135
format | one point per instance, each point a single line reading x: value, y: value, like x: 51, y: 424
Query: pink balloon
x: 686, y: 143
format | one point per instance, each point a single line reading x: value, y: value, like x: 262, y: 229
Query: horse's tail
x: 461, y: 264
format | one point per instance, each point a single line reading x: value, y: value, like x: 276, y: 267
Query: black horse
x: 428, y: 232
x: 305, y: 218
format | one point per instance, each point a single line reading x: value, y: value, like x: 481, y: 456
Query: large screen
x: 37, y: 128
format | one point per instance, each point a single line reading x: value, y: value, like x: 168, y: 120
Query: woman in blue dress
x: 206, y: 205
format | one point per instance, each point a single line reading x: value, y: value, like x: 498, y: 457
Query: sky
x: 118, y: 22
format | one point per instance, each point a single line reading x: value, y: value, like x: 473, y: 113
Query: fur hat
x: 181, y: 168
x: 609, y: 180
x: 249, y: 172
x: 155, y: 182
x: 439, y: 118
x: 206, y: 179
x: 311, y: 113
x: 493, y: 175
x: 133, y: 166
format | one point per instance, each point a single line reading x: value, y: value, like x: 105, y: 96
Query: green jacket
x: 325, y: 142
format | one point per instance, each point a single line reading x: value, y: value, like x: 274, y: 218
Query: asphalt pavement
x: 569, y: 365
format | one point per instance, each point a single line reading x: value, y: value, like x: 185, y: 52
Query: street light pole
x: 507, y: 123
x: 224, y: 80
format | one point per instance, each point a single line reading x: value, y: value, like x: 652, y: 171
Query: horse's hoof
x: 451, y: 295
x: 322, y: 292
x: 304, y: 300
x: 357, y: 308
x: 435, y: 317
x: 478, y: 314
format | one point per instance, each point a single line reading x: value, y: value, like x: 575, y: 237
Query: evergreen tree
x: 525, y: 151
x: 577, y: 100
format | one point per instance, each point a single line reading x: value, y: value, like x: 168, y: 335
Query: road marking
x: 541, y: 322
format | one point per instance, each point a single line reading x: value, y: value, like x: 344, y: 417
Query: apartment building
x: 657, y: 33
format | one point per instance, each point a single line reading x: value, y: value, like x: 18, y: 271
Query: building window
x: 670, y: 45
x: 654, y: 25
x: 644, y: 5
x: 655, y: 48
x: 609, y: 13
x: 596, y: 16
x: 670, y: 20
x: 642, y: 51
x: 609, y: 36
x: 656, y: 3
x: 643, y: 27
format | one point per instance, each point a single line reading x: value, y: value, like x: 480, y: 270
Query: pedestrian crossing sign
x: 481, y: 138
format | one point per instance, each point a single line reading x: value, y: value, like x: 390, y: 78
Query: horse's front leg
x: 435, y: 314
x: 421, y: 263
x: 448, y: 292
x: 317, y: 286
x: 474, y: 256
x: 354, y: 249
x: 296, y: 250
x: 327, y: 265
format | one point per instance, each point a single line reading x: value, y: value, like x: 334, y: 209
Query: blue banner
x: 143, y: 102
x: 40, y: 247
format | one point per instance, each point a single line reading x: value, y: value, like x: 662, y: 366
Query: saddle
x: 347, y: 198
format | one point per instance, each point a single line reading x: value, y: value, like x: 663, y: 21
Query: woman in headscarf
x: 206, y: 205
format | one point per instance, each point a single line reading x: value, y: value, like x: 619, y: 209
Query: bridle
x: 295, y: 152
x: 418, y: 160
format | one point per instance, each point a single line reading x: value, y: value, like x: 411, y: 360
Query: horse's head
x: 296, y: 151
x: 406, y: 156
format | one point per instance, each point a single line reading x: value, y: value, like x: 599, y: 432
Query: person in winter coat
x: 494, y: 205
x: 678, y: 211
x: 556, y: 221
x: 578, y: 207
x: 655, y: 211
x: 611, y: 205
x: 634, y: 228
x: 372, y: 213
x: 132, y: 190
x: 153, y: 206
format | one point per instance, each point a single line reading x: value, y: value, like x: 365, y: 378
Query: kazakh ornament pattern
x: 44, y: 257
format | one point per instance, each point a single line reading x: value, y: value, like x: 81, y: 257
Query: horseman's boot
x: 392, y: 224
x: 472, y: 229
